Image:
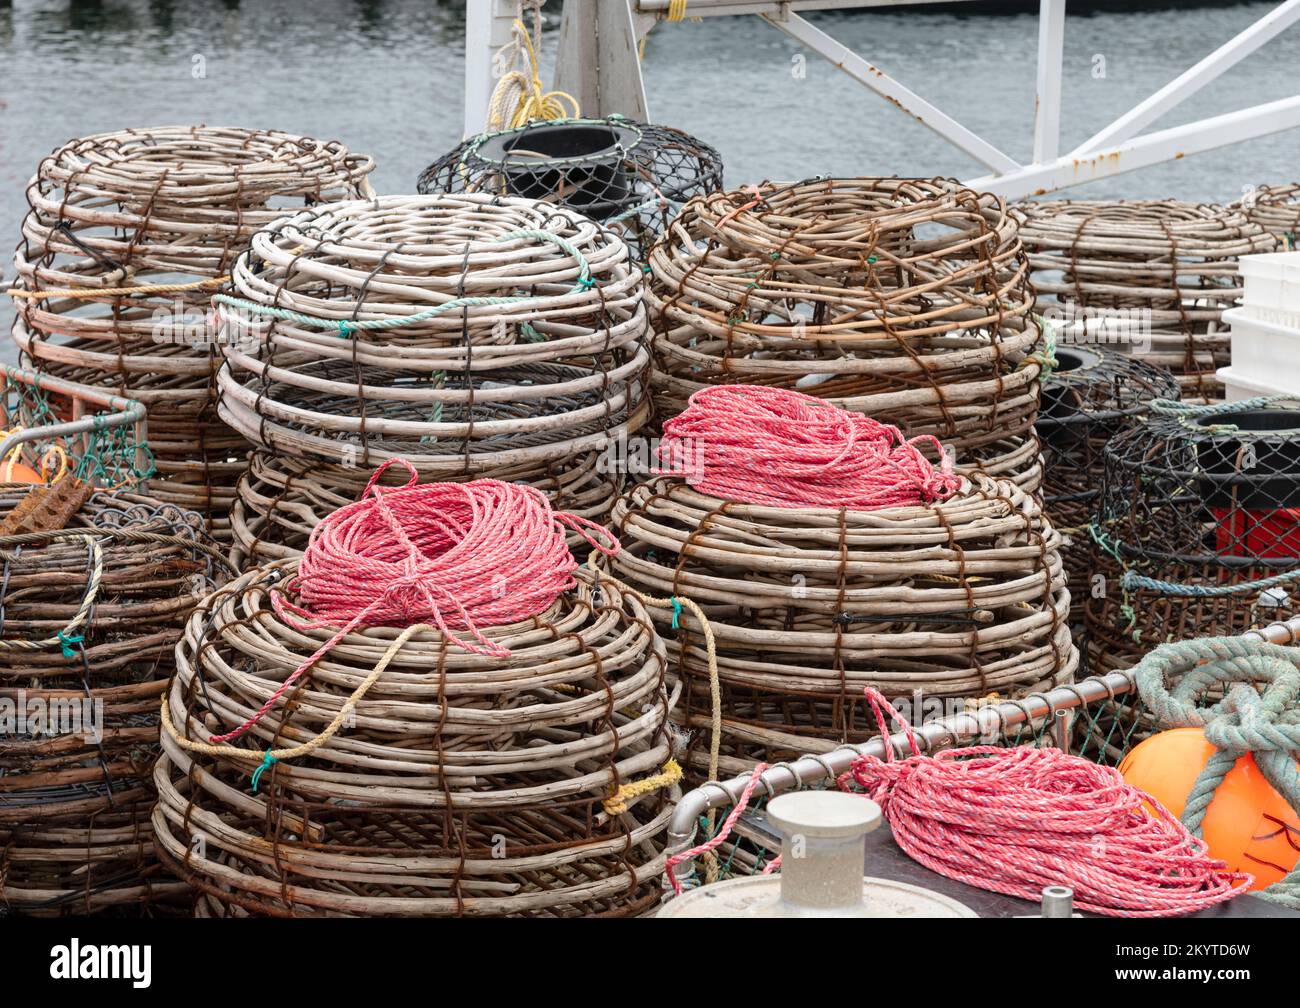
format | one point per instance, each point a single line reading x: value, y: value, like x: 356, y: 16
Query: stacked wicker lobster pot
x: 959, y: 596
x: 427, y: 780
x: 903, y: 299
x: 1197, y: 528
x: 631, y: 176
x: 127, y: 236
x: 472, y: 335
x: 1276, y: 209
x: 89, y: 621
x: 1153, y: 278
x: 1092, y: 395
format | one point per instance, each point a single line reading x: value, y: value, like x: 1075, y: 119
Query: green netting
x: 107, y: 456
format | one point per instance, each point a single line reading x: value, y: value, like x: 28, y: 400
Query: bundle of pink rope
x: 772, y: 446
x: 1018, y: 819
x: 459, y: 556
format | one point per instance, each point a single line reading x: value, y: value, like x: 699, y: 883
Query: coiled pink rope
x: 1016, y: 820
x: 776, y: 447
x: 457, y: 555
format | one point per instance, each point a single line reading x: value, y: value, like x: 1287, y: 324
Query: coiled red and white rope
x: 459, y: 556
x: 1013, y: 820
x: 776, y: 447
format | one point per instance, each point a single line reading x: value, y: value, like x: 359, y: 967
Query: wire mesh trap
x: 459, y: 784
x: 1151, y: 278
x: 1197, y: 530
x: 1092, y: 395
x: 89, y: 618
x: 630, y: 176
x: 472, y: 335
x: 961, y: 601
x: 127, y: 236
x: 904, y: 299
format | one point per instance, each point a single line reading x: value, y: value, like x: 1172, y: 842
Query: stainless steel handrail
x: 121, y: 411
x: 995, y: 718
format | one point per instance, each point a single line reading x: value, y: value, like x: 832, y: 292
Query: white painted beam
x: 1230, y: 53
x: 722, y: 8
x: 892, y: 91
x: 1142, y: 152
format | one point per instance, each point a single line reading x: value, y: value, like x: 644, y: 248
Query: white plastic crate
x: 1272, y: 287
x: 1264, y: 351
x: 1237, y: 387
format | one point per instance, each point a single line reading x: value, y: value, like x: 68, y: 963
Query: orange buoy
x: 16, y: 472
x: 1248, y: 824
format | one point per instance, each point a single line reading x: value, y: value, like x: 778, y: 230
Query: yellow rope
x: 518, y: 98
x: 90, y: 293
x: 676, y: 10
x: 315, y: 743
x: 667, y: 777
x: 715, y: 688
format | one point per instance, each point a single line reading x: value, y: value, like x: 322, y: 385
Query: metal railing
x: 92, y: 410
x: 994, y: 719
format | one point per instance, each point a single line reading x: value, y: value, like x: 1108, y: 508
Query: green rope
x: 1131, y: 580
x: 1046, y: 357
x: 1264, y: 724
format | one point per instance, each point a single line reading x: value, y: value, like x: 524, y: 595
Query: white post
x: 487, y: 29
x: 1051, y: 52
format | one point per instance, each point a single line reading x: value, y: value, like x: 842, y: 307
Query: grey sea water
x: 385, y: 76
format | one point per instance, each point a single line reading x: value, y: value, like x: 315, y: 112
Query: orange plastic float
x: 1248, y: 824
x: 15, y: 472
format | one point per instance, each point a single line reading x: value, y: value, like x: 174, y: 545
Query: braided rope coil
x: 1244, y: 694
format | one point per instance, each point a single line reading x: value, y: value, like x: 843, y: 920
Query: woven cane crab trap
x: 1151, y: 277
x: 1092, y: 395
x: 904, y: 299
x: 1198, y: 528
x: 89, y: 619
x: 808, y: 606
x: 1276, y: 209
x: 631, y: 176
x: 471, y: 335
x: 461, y: 785
x: 127, y: 236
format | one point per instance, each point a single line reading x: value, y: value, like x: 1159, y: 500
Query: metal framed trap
x: 631, y: 176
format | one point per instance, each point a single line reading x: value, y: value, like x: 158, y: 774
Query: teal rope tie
x: 677, y: 611
x: 1131, y: 581
x: 1264, y: 724
x: 1187, y: 412
x: 267, y: 760
x: 1046, y: 357
x: 68, y: 640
